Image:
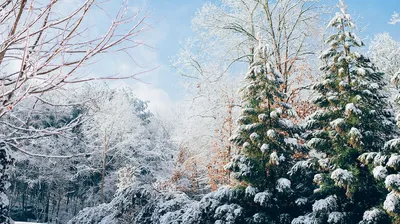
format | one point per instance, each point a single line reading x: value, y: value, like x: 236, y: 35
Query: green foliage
x: 353, y: 118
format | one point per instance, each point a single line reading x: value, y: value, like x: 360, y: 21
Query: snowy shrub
x: 355, y: 136
x: 391, y: 203
x: 307, y: 219
x: 352, y: 109
x: 324, y: 163
x: 301, y: 167
x: 342, y: 177
x: 394, y: 161
x: 392, y: 182
x: 254, y: 136
x: 326, y: 205
x: 316, y: 143
x: 263, y: 198
x: 241, y: 166
x: 283, y: 185
x: 317, y: 178
x: 338, y: 124
x: 262, y: 117
x: 380, y: 159
x: 274, y: 159
x: 251, y: 191
x: 301, y: 201
x: 367, y: 158
x: 229, y: 213
x: 336, y: 218
x: 271, y: 133
x: 260, y: 218
x: 274, y: 114
x: 374, y: 216
x: 264, y: 148
x: 392, y: 145
x: 380, y: 172
x: 126, y: 177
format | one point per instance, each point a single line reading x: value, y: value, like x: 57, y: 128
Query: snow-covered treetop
x: 341, y: 18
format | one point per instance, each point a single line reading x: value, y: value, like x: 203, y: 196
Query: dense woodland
x: 289, y: 117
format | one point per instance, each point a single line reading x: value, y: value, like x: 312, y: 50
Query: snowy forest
x: 290, y: 114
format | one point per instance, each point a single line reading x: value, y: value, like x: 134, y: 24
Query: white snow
x: 392, y: 145
x: 314, y: 142
x: 262, y: 117
x: 324, y: 163
x: 380, y: 159
x: 301, y: 201
x: 271, y: 133
x: 291, y: 141
x: 392, y: 182
x: 251, y: 191
x: 250, y: 127
x: 374, y: 86
x: 361, y: 71
x: 273, y: 114
x: 4, y: 199
x: 336, y: 217
x: 300, y: 166
x: 391, y: 203
x: 394, y: 161
x: 338, y: 123
x: 367, y: 158
x: 254, y: 136
x: 274, y: 159
x: 328, y: 204
x: 354, y: 132
x: 306, y: 219
x: 373, y: 215
x: 263, y: 198
x: 317, y: 178
x: 342, y: 177
x: 264, y: 148
x: 380, y: 172
x: 283, y: 185
x: 352, y: 109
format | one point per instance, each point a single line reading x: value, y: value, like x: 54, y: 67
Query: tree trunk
x: 6, y: 161
x: 58, y: 209
x: 103, y: 173
x: 46, y: 212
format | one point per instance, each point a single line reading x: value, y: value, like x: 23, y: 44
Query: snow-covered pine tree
x: 266, y: 141
x: 353, y: 119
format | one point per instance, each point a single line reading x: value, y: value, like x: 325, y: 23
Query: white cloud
x: 159, y: 99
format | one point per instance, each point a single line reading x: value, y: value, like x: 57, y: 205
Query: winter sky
x: 171, y: 21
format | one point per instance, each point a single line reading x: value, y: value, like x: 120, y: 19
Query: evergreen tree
x: 266, y: 141
x: 353, y: 119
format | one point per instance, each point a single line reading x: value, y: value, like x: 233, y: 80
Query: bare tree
x: 44, y: 44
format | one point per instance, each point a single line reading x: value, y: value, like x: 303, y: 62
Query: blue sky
x: 172, y: 25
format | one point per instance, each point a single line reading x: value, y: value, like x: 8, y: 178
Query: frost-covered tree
x: 202, y: 131
x: 384, y: 52
x: 44, y: 45
x: 353, y: 119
